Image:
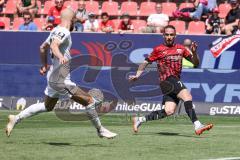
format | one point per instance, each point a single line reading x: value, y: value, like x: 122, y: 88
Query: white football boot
x: 104, y: 133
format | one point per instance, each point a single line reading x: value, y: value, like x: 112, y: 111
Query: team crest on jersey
x: 179, y: 51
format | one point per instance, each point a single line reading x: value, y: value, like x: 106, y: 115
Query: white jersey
x: 63, y: 35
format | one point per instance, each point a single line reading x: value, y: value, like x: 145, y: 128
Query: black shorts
x: 170, y: 89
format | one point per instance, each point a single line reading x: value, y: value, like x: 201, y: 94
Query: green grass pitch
x: 45, y: 137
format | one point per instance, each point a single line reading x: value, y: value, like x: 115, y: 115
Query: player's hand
x: 62, y: 60
x: 44, y: 69
x: 194, y: 47
x: 133, y: 78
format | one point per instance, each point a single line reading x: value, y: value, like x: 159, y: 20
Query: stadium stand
x: 186, y: 5
x: 47, y: 6
x: 72, y: 4
x: 138, y: 10
x: 168, y: 8
x: 92, y: 6
x: 180, y: 26
x: 138, y: 25
x: 16, y: 23
x: 116, y: 23
x: 129, y: 7
x: 147, y: 8
x: 39, y: 22
x: 110, y: 7
x: 196, y: 27
x: 39, y: 4
x: 224, y: 8
x: 10, y: 7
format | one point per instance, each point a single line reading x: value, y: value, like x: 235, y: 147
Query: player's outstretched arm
x: 56, y: 52
x: 140, y: 70
x: 43, y: 56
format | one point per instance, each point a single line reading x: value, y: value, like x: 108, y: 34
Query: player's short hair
x: 169, y: 26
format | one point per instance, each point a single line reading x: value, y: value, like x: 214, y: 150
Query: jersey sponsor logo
x: 174, y: 58
x: 60, y: 35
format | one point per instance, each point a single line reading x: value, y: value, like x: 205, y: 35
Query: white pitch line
x: 227, y: 158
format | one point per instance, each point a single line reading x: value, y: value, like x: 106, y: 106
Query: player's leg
x: 170, y: 104
x: 185, y: 95
x: 32, y: 110
x: 79, y: 96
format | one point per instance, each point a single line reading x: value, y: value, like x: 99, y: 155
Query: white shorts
x: 57, y: 94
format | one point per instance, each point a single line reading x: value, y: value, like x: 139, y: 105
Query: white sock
x: 142, y: 119
x: 31, y: 111
x: 197, y: 124
x: 93, y: 116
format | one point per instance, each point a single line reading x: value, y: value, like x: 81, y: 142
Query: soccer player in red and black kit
x: 168, y: 57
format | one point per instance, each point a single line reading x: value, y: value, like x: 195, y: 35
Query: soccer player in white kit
x: 60, y: 43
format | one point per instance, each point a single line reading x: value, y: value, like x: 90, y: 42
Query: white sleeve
x: 48, y: 39
x: 60, y: 34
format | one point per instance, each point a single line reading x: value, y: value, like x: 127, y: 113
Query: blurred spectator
x: 106, y: 25
x: 238, y: 31
x: 201, y: 7
x: 232, y: 18
x: 91, y: 25
x: 28, y: 24
x: 213, y: 23
x: 49, y: 25
x: 55, y: 11
x: 2, y: 25
x: 187, y: 43
x: 125, y: 25
x: 156, y: 22
x: 1, y: 5
x: 27, y: 6
x: 81, y: 16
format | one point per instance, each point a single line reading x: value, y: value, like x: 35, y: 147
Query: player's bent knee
x: 50, y: 103
x: 49, y: 107
x: 80, y: 96
x: 188, y: 98
x: 185, y: 95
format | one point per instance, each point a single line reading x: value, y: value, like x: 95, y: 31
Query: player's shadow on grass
x: 58, y: 143
x: 170, y: 134
x: 177, y: 134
